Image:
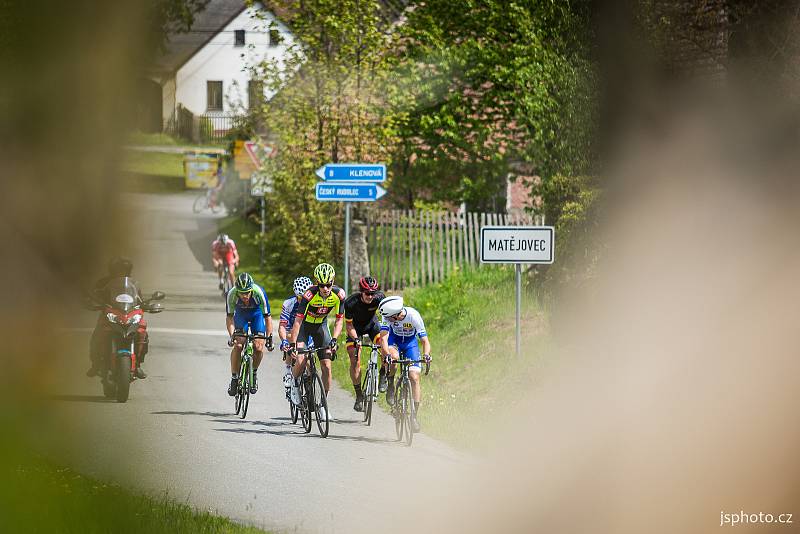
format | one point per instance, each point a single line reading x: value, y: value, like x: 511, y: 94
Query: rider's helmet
x: 120, y: 267
x: 301, y: 285
x: 391, y: 306
x: 324, y: 273
x: 223, y: 238
x: 368, y: 284
x: 244, y: 282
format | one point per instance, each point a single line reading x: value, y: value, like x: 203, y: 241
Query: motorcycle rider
x: 100, y: 342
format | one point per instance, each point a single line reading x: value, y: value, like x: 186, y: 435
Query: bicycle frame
x: 403, y: 408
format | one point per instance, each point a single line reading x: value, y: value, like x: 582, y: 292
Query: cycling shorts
x: 371, y: 329
x: 319, y: 334
x: 408, y: 348
x: 254, y: 319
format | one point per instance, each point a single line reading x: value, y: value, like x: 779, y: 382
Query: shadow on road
x: 199, y: 241
x: 209, y: 414
x: 80, y: 398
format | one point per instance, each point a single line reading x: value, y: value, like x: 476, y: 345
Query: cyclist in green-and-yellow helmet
x: 311, y: 320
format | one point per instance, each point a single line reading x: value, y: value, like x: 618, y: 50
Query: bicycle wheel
x: 398, y: 413
x: 306, y: 397
x: 407, y: 408
x: 294, y: 413
x: 200, y: 203
x: 320, y: 404
x: 244, y: 387
x: 367, y: 389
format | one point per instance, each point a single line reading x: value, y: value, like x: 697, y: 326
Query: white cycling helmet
x: 301, y: 285
x: 391, y: 306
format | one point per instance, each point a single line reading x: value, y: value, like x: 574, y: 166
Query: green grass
x: 474, y: 375
x: 162, y: 139
x: 36, y: 496
x: 153, y: 163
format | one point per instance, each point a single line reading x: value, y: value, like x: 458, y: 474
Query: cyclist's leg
x: 394, y: 355
x: 259, y: 328
x: 300, y: 360
x: 412, y: 353
x: 241, y: 322
x: 354, y: 352
x: 324, y: 355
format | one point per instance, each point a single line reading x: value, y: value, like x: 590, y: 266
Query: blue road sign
x: 353, y: 172
x: 347, y: 192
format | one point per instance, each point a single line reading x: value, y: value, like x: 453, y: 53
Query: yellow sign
x: 201, y: 170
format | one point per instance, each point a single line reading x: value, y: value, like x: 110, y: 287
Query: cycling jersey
x: 358, y: 312
x: 220, y: 250
x: 258, y: 301
x: 314, y: 309
x: 411, y: 326
x: 289, y: 312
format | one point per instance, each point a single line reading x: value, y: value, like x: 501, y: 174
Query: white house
x: 206, y: 70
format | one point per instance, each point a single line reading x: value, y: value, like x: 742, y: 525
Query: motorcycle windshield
x: 123, y: 294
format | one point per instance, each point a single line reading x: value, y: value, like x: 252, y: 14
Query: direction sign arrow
x: 353, y: 172
x: 348, y: 192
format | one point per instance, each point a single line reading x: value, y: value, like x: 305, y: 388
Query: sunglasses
x: 395, y: 317
x: 246, y: 294
x: 370, y: 293
x: 326, y: 285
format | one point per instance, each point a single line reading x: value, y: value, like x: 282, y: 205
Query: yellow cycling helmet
x: 324, y: 273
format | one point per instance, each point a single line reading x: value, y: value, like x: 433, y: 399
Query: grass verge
x: 153, y: 163
x: 474, y: 375
x: 37, y: 496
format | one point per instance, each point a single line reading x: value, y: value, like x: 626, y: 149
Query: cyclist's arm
x: 235, y: 253
x: 229, y: 324
x: 426, y: 345
x: 384, y: 338
x: 282, y: 333
x: 337, y: 326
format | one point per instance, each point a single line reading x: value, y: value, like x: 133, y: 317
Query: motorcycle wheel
x: 123, y: 378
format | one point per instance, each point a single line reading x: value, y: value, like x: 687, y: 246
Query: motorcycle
x: 124, y: 309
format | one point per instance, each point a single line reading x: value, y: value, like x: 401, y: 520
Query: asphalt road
x: 178, y: 434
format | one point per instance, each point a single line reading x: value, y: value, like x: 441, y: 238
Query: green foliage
x: 477, y: 84
x: 328, y: 109
x: 572, y: 206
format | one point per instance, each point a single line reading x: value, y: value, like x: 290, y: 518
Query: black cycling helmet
x: 368, y: 284
x: 120, y: 267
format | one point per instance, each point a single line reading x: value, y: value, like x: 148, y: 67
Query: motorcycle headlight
x: 112, y: 317
x: 135, y: 319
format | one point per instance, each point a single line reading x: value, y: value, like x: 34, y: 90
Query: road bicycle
x: 226, y: 279
x: 242, y: 397
x: 207, y: 201
x: 293, y: 411
x: 403, y: 408
x: 370, y: 384
x: 312, y: 395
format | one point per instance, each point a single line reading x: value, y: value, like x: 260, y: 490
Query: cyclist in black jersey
x: 360, y: 320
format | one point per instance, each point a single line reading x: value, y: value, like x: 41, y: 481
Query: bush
x: 572, y: 206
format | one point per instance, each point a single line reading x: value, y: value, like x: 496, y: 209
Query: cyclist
x: 100, y: 342
x: 223, y: 248
x: 288, y: 314
x: 311, y: 321
x: 246, y: 307
x: 360, y: 320
x: 402, y: 325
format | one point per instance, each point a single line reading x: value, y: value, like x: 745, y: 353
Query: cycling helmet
x: 223, y: 238
x: 391, y: 306
x: 368, y: 284
x: 301, y: 285
x: 244, y: 282
x: 324, y: 273
x: 120, y: 267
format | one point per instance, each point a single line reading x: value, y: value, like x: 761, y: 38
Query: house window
x: 214, y: 96
x: 255, y: 93
x: 275, y: 37
x: 238, y: 37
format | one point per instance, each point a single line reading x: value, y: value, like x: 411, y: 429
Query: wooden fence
x: 410, y: 247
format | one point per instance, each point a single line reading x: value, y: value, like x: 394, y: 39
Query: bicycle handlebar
x: 407, y: 362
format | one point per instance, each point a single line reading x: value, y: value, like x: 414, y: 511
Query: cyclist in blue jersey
x: 247, y: 307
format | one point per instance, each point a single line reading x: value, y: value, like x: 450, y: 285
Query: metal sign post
x: 263, y: 228
x: 517, y: 245
x: 350, y: 182
x: 346, y: 248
